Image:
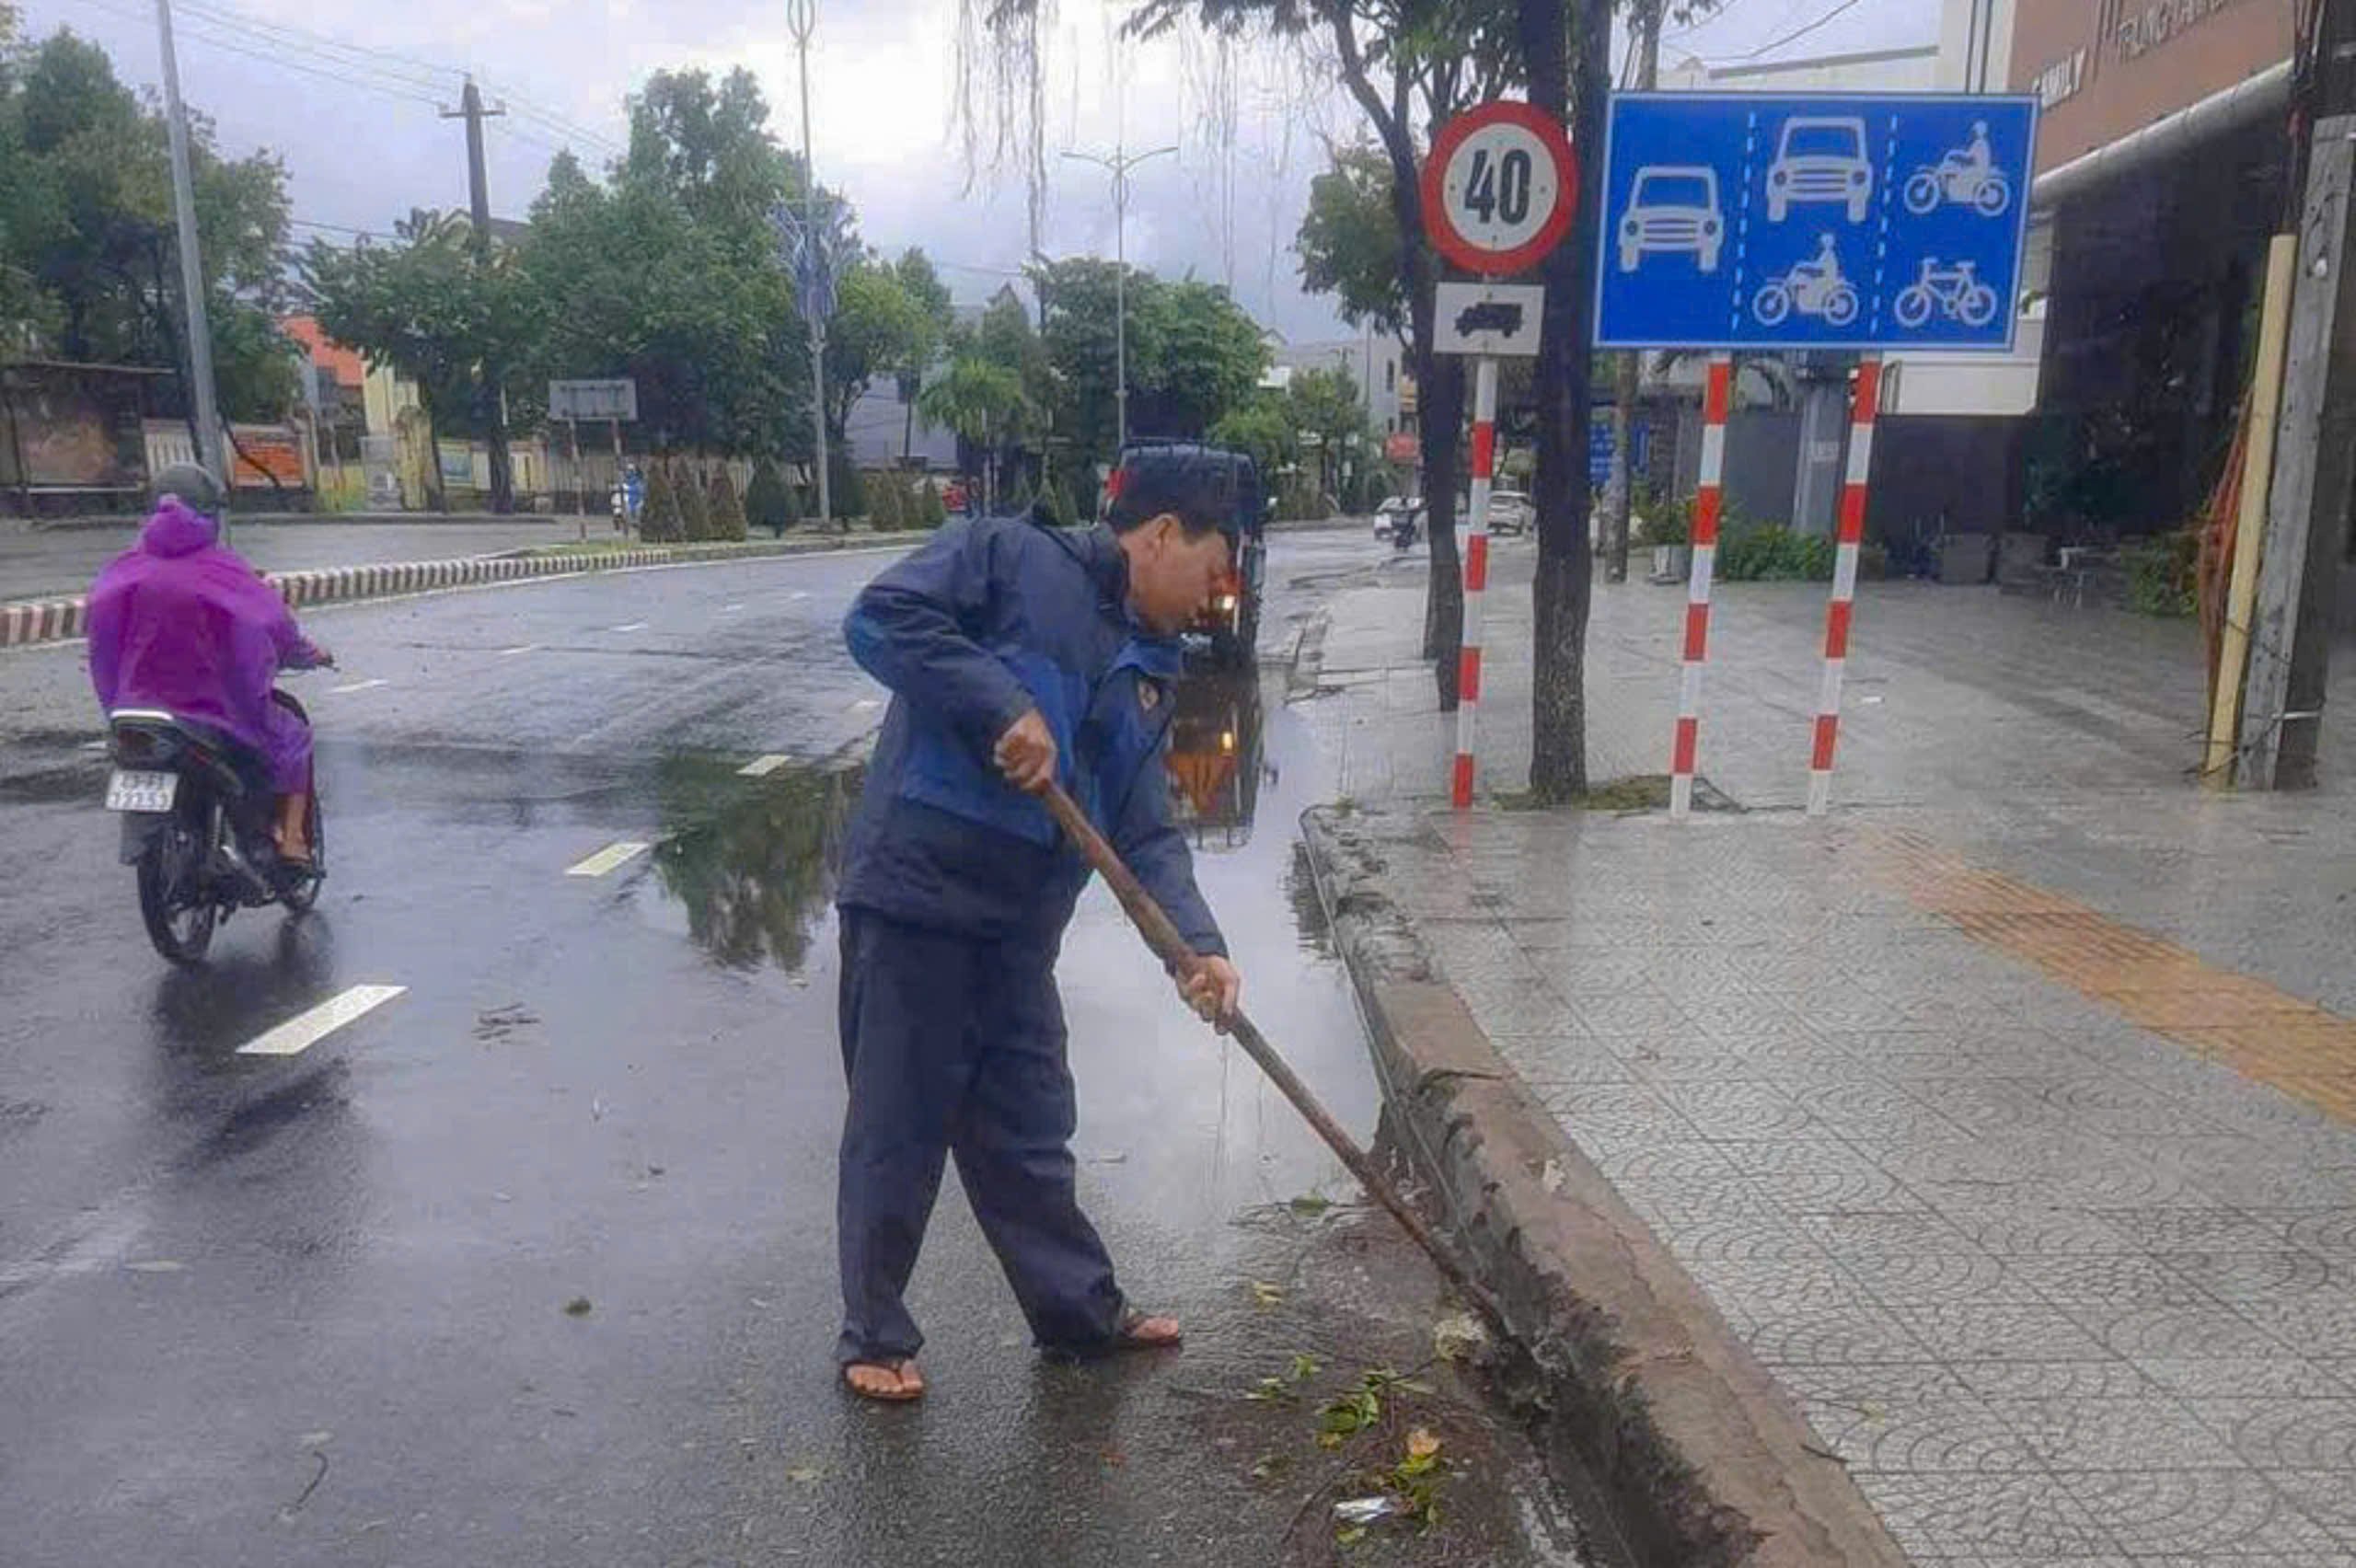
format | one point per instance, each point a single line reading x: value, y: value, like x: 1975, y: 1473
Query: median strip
x: 762, y: 767
x: 61, y: 620
x: 304, y: 1030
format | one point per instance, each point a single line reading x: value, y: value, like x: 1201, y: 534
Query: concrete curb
x: 58, y: 620
x: 1644, y: 1390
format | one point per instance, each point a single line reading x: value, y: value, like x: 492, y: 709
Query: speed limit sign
x: 1499, y: 188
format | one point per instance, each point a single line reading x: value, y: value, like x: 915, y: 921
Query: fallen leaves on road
x: 1267, y: 1295
x: 577, y: 1308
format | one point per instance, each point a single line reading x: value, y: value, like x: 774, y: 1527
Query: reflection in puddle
x: 1215, y: 759
x: 753, y: 864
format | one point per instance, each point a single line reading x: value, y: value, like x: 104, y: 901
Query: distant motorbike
x: 1404, y: 528
x: 196, y: 807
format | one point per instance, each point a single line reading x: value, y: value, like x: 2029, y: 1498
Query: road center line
x: 356, y: 686
x: 606, y: 859
x: 730, y: 609
x: 519, y: 648
x: 634, y: 626
x: 762, y: 767
x: 304, y: 1030
x: 864, y: 703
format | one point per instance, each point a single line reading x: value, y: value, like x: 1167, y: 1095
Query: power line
x: 201, y: 32
x: 1794, y: 36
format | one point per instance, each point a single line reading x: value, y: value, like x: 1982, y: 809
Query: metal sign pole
x: 1709, y: 500
x: 1476, y: 573
x: 1863, y: 410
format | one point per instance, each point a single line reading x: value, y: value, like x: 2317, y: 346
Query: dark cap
x: 1204, y: 489
x: 197, y: 489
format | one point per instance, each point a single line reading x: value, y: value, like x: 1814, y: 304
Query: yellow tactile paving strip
x: 2260, y: 1031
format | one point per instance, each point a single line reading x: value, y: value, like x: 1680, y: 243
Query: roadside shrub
x: 1656, y: 521
x: 1768, y: 552
x: 695, y: 511
x: 769, y: 499
x: 845, y: 494
x: 2164, y: 575
x: 885, y: 511
x: 727, y: 513
x: 658, y: 521
x: 931, y: 512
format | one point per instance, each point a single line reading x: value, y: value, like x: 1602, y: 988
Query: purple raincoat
x: 180, y: 622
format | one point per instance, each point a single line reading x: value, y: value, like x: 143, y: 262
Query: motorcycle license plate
x: 134, y: 791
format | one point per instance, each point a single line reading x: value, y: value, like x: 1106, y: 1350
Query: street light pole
x: 802, y: 19
x: 200, y: 331
x: 1119, y: 165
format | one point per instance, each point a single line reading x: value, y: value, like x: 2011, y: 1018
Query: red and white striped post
x: 1708, y: 502
x: 1864, y: 408
x: 1476, y: 573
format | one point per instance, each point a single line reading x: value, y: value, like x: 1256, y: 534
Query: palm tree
x: 983, y: 402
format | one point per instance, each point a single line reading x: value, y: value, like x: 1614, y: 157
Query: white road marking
x: 356, y: 686
x: 519, y: 648
x: 730, y: 609
x: 799, y: 594
x: 634, y: 626
x: 304, y: 1030
x: 864, y: 703
x: 606, y: 859
x: 93, y: 745
x: 762, y: 767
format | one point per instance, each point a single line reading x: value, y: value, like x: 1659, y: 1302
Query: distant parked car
x: 1511, y: 511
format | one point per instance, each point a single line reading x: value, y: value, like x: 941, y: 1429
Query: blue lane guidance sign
x: 1870, y: 221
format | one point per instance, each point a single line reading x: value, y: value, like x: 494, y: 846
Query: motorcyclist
x: 1976, y: 159
x: 180, y: 622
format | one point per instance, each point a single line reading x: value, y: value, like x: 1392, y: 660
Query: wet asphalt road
x: 315, y: 1308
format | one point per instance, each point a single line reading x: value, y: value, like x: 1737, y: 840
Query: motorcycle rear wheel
x: 179, y: 913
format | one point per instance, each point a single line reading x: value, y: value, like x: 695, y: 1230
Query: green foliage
x: 428, y: 309
x: 886, y: 509
x: 694, y: 510
x: 2164, y: 575
x: 659, y: 521
x: 727, y: 513
x: 846, y: 491
x: 876, y: 329
x: 1264, y: 428
x: 1659, y: 521
x: 1349, y: 240
x: 90, y: 266
x: 931, y: 512
x: 769, y: 499
x: 666, y: 272
x: 1768, y: 552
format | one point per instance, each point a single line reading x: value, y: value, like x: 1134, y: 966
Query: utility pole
x: 2307, y: 511
x: 1120, y: 163
x: 493, y: 393
x: 1627, y: 382
x: 802, y: 20
x: 200, y: 329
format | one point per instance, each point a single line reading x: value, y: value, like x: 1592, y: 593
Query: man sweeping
x: 1017, y: 655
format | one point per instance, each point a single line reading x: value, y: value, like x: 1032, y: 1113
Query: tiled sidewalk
x: 2056, y: 1289
x: 2059, y: 1288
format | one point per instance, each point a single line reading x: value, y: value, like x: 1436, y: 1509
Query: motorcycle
x: 1404, y: 530
x: 1812, y: 288
x: 1956, y: 291
x: 196, y: 806
x: 1962, y: 183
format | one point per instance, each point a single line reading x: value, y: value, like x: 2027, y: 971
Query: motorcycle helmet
x: 197, y: 489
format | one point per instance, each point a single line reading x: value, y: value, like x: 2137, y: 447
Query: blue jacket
x: 991, y: 618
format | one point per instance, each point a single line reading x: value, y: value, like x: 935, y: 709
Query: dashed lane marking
x: 304, y: 1030
x: 865, y: 703
x: 356, y: 686
x: 634, y: 626
x: 606, y: 859
x: 519, y: 648
x: 762, y: 767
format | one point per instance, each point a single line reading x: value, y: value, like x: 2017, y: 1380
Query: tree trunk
x: 1561, y: 81
x: 1439, y: 420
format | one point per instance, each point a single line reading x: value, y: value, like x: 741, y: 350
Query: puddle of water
x: 752, y: 862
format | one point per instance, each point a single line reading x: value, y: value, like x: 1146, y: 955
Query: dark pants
x: 953, y: 1045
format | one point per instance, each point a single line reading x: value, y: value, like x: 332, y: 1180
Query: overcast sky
x: 364, y: 143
